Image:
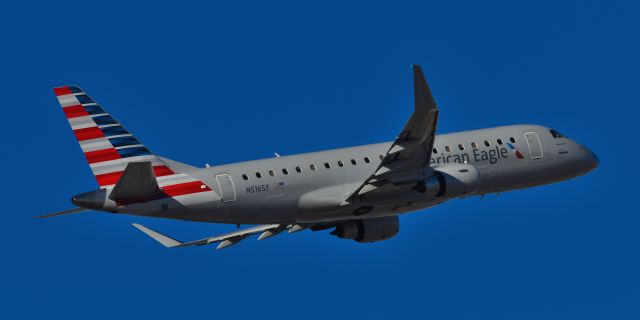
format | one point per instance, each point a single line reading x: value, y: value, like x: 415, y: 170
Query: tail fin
x: 106, y: 144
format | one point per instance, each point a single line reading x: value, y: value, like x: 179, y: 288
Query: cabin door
x: 227, y: 189
x: 535, y: 147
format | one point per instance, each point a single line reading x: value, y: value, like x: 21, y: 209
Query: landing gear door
x: 535, y: 146
x: 227, y: 189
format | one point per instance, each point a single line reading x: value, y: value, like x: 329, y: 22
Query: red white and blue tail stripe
x: 109, y: 147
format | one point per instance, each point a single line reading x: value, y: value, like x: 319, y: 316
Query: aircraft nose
x: 589, y: 158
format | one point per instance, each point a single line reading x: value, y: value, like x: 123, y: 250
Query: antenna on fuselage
x: 276, y: 154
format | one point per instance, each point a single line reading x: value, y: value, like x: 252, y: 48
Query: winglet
x: 422, y: 94
x: 164, y: 240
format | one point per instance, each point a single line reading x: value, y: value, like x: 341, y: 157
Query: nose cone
x: 589, y: 159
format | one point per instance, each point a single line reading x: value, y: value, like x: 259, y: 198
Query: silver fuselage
x: 274, y: 190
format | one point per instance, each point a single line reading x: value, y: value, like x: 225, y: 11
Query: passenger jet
x: 359, y: 192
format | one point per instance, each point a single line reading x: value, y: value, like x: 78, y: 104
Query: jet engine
x: 451, y: 181
x: 368, y: 230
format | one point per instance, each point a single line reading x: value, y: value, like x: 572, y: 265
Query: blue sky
x: 223, y: 82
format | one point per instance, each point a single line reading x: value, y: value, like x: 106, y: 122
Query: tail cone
x: 93, y: 200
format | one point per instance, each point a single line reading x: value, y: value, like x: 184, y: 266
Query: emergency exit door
x: 227, y: 189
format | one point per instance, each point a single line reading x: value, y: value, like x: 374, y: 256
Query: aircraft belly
x: 199, y: 206
x: 380, y: 209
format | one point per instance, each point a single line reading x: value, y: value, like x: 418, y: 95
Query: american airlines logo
x: 516, y: 151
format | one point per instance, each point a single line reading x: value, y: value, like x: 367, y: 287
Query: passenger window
x: 285, y: 171
x: 447, y: 148
x: 474, y: 145
x: 272, y: 173
x: 245, y: 177
x: 381, y: 157
x: 512, y: 139
x: 353, y: 162
x: 327, y: 165
x: 499, y: 141
x: 312, y: 167
x: 486, y: 143
x: 435, y: 151
x: 258, y: 174
x: 461, y: 147
x: 366, y: 160
x: 340, y: 163
x: 298, y: 169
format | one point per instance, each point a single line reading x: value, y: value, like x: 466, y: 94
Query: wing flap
x: 225, y: 240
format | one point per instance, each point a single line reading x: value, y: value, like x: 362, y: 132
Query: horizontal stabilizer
x: 62, y: 213
x: 138, y: 181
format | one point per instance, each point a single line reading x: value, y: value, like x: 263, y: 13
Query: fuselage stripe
x: 113, y: 177
x: 171, y: 191
x: 185, y: 188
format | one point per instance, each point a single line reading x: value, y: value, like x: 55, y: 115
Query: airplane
x: 359, y: 192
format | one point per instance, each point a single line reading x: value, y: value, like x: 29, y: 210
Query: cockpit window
x: 556, y: 134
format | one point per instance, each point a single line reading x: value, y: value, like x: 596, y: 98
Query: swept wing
x: 411, y: 151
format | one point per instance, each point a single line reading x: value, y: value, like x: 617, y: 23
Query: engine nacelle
x: 452, y: 180
x: 368, y: 230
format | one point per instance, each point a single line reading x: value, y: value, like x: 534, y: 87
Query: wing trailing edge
x: 224, y: 240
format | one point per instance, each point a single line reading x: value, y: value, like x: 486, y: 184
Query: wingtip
x: 157, y: 236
